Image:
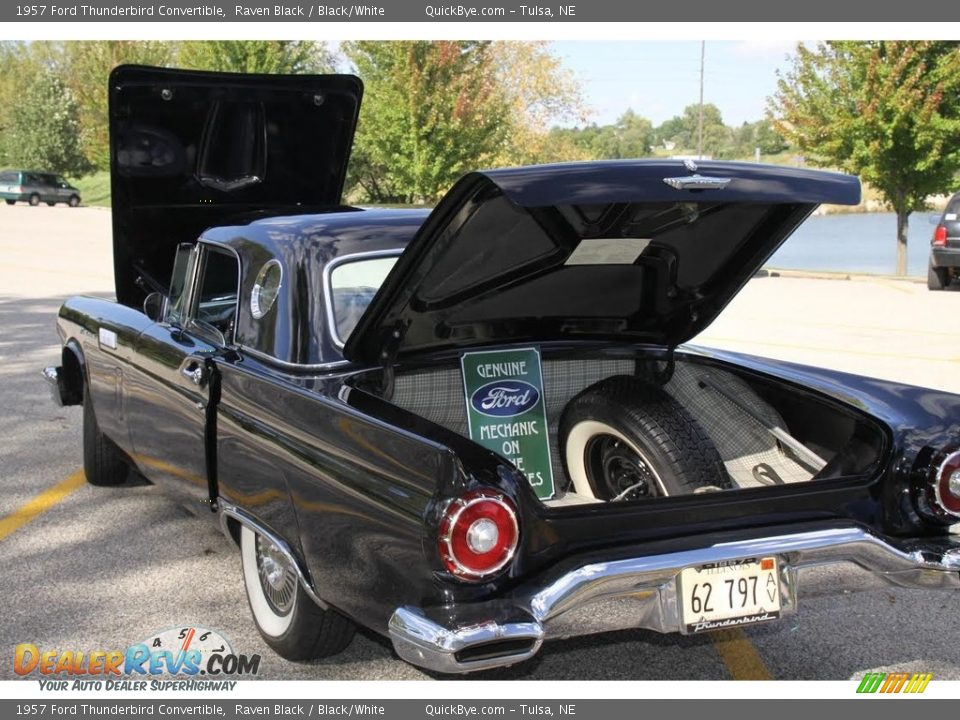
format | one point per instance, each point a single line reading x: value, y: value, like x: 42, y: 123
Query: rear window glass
x: 9, y: 177
x: 954, y: 205
x: 352, y: 286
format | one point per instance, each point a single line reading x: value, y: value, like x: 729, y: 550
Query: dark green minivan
x: 36, y: 187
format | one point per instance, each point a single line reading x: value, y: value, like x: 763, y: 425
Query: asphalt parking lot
x: 100, y: 568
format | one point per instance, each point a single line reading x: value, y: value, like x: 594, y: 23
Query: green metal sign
x: 506, y: 410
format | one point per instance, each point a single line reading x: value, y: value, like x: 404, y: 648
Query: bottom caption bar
x: 591, y: 709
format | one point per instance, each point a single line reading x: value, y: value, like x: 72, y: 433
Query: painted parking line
x: 39, y: 504
x: 740, y: 656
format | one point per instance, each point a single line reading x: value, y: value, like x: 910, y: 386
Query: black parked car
x: 945, y: 247
x: 37, y: 187
x: 479, y: 428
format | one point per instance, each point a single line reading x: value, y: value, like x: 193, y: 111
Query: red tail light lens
x: 478, y: 534
x: 948, y: 484
x: 940, y: 235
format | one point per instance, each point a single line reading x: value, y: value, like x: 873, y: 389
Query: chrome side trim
x: 328, y: 287
x: 641, y: 592
x: 232, y: 511
x: 287, y: 365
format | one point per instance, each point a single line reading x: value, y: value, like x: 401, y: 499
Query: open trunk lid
x: 189, y: 150
x: 645, y: 251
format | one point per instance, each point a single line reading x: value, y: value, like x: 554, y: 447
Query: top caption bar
x: 419, y: 11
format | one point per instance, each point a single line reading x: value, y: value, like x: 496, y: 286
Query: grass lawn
x: 95, y: 189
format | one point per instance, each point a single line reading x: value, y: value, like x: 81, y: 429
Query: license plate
x: 729, y: 594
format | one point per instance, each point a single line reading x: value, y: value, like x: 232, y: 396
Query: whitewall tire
x: 290, y: 622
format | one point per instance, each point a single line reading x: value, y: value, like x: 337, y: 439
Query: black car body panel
x: 239, y: 393
x: 190, y: 150
x: 678, y: 242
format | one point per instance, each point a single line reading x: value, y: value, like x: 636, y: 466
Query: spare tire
x: 624, y: 438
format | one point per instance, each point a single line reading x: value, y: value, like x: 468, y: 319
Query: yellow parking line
x: 741, y: 657
x: 39, y: 504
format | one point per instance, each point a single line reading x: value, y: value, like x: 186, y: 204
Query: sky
x: 658, y: 79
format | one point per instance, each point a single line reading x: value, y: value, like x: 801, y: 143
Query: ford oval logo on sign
x: 505, y: 398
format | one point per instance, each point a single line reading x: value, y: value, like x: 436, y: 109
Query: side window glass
x: 178, y: 285
x: 216, y: 305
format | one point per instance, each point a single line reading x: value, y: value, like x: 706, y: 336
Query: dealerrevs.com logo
x: 184, y: 651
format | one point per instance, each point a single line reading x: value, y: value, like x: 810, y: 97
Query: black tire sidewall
x: 103, y: 463
x: 652, y: 423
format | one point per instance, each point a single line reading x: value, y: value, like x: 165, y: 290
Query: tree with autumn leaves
x: 888, y: 111
x: 433, y: 111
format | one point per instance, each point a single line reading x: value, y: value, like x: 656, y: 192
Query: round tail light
x: 478, y: 534
x: 947, y: 487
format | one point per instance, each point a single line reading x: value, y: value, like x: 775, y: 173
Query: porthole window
x: 265, y: 289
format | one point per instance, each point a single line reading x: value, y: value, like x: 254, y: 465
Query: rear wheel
x: 103, y: 463
x: 34, y: 200
x: 626, y: 439
x: 936, y: 277
x: 10, y: 202
x: 287, y: 618
x: 73, y: 201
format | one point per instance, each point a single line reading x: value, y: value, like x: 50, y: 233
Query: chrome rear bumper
x: 640, y: 592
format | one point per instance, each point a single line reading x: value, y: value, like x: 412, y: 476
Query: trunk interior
x: 766, y: 432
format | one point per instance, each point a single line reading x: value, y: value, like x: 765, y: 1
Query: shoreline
x: 774, y: 272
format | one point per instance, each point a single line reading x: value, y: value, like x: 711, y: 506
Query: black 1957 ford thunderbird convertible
x: 477, y: 428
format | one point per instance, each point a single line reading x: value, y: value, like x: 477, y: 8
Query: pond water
x: 855, y: 242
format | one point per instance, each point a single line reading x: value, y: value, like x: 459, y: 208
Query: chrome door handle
x: 195, y: 373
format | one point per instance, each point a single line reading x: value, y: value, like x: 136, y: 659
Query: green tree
x: 85, y: 67
x: 683, y: 130
x: 631, y: 136
x: 44, y: 133
x: 432, y: 111
x: 888, y: 111
x: 634, y: 135
x: 255, y: 56
x: 22, y: 63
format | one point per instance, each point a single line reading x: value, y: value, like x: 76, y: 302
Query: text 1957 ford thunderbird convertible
x: 475, y: 429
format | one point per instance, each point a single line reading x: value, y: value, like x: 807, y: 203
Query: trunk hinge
x: 659, y: 369
x: 388, y: 358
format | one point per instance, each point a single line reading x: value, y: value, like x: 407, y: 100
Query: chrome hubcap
x: 619, y: 472
x: 277, y: 577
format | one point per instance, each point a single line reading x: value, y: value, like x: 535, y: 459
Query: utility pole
x: 703, y: 49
